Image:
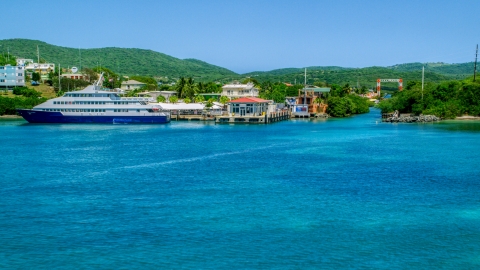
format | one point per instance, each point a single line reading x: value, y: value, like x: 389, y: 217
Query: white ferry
x: 91, y: 105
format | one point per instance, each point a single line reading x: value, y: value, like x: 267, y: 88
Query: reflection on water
x: 460, y: 125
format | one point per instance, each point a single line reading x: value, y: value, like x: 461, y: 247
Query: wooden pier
x: 192, y: 118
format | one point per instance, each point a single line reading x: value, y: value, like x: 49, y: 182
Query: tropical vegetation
x: 24, y: 98
x: 446, y: 99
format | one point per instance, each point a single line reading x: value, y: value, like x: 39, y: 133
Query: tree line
x: 25, y: 99
x: 446, y: 99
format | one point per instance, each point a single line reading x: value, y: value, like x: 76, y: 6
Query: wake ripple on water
x: 185, y: 160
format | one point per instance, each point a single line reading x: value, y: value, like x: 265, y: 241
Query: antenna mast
x: 305, y: 89
x: 475, y: 68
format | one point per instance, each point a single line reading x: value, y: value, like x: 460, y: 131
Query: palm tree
x: 188, y: 91
x: 173, y: 99
x: 224, y: 100
x: 318, y: 100
x: 199, y: 98
x: 179, y: 86
x: 161, y: 99
x: 346, y: 89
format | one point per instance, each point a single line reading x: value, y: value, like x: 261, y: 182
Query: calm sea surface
x: 301, y: 194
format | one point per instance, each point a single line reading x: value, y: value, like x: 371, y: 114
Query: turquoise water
x: 300, y: 194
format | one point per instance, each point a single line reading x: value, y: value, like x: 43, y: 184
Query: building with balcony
x: 11, y: 76
x: 43, y: 69
x: 237, y: 90
x: 132, y: 85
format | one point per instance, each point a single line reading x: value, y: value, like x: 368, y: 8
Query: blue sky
x: 260, y: 35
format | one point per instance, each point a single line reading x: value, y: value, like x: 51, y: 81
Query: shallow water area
x: 301, y: 194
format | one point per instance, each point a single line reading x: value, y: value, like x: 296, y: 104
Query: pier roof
x: 182, y: 106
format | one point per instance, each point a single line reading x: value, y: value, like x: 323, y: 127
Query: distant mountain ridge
x: 441, y: 68
x: 131, y: 61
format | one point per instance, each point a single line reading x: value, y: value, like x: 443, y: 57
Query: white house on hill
x: 238, y: 90
x: 132, y: 85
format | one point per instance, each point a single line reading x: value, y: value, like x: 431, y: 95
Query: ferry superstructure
x: 91, y: 105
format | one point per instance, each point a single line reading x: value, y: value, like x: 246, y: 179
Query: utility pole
x: 59, y: 76
x: 475, y: 68
x: 38, y: 55
x: 80, y: 55
x: 305, y: 89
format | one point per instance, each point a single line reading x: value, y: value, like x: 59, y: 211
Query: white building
x: 75, y: 76
x: 43, y: 69
x: 132, y: 85
x: 238, y: 90
x: 40, y: 68
x: 11, y: 76
x: 23, y: 61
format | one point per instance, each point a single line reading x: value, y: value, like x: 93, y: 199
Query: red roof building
x: 249, y: 100
x: 248, y: 106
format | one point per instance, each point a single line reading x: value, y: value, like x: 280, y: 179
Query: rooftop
x: 133, y: 82
x: 249, y: 100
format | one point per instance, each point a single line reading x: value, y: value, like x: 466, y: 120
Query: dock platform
x: 252, y: 119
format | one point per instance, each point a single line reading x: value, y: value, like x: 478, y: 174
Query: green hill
x: 434, y: 72
x: 150, y: 63
x: 461, y: 69
x: 121, y: 60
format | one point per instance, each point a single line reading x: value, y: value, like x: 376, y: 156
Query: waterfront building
x: 12, y: 76
x: 132, y: 85
x: 248, y: 106
x: 237, y: 90
x: 306, y: 101
x: 183, y: 108
x: 252, y: 110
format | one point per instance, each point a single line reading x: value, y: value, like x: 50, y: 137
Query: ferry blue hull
x: 33, y: 116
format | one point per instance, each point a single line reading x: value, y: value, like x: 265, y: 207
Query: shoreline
x: 8, y: 116
x: 467, y: 117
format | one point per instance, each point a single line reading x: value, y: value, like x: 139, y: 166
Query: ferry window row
x: 87, y: 95
x: 80, y: 102
x: 74, y: 110
x: 121, y: 110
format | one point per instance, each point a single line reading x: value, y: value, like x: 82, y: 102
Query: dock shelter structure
x: 252, y: 110
x: 184, y: 111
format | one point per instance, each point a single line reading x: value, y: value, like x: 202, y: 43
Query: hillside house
x: 237, y: 90
x: 132, y: 85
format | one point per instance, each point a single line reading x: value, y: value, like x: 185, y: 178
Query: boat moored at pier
x: 91, y: 105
